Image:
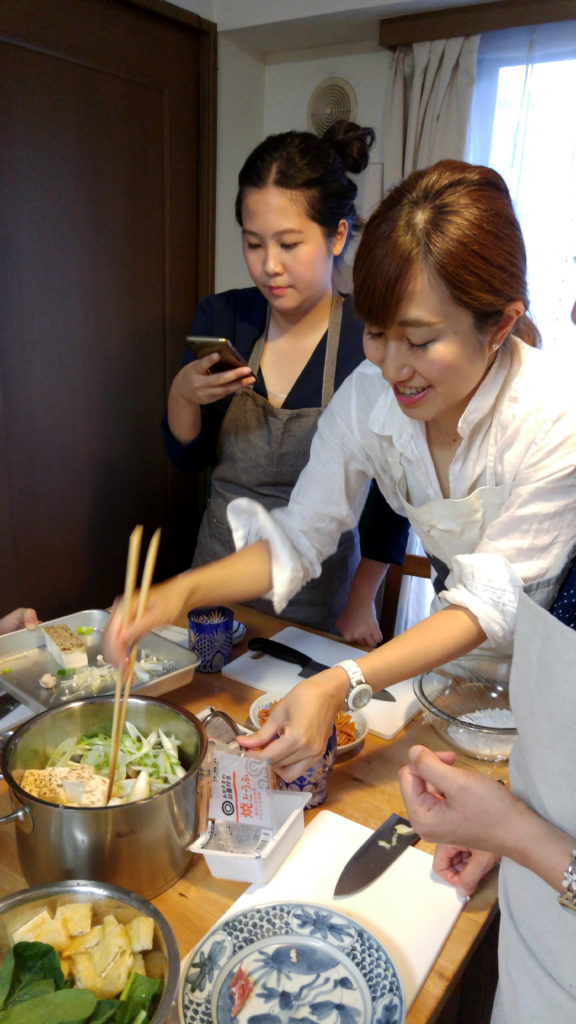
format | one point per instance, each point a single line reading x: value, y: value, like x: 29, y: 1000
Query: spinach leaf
x: 34, y: 961
x: 137, y: 997
x: 141, y: 1018
x: 105, y: 1011
x: 6, y: 972
x: 41, y: 987
x: 33, y: 990
x: 67, y: 1006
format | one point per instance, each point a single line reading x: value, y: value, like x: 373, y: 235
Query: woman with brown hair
x: 467, y: 429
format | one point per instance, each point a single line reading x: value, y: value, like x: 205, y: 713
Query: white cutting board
x: 271, y: 675
x: 409, y: 908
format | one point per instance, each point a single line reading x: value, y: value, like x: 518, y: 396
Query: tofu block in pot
x: 65, y: 647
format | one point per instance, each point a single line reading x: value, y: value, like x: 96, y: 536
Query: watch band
x: 359, y: 692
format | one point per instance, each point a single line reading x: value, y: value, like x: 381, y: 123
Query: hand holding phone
x: 202, y: 381
x: 230, y: 358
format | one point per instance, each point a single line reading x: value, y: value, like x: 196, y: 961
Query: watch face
x: 360, y: 696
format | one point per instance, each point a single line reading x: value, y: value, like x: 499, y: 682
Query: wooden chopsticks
x: 121, y: 694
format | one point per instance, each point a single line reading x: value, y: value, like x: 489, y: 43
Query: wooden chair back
x: 413, y: 565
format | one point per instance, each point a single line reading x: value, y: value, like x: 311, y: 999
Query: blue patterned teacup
x: 210, y: 637
x: 315, y: 779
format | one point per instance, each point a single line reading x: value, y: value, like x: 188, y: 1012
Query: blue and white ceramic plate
x: 284, y: 962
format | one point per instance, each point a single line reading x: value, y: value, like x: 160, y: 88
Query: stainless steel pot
x: 142, y: 845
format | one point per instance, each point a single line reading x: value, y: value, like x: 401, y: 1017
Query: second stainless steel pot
x: 142, y: 845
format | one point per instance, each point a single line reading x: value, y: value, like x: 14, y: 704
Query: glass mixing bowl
x: 467, y: 703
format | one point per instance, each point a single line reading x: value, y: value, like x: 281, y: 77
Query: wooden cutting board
x: 271, y: 675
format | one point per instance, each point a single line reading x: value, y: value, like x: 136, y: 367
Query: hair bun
x: 352, y: 143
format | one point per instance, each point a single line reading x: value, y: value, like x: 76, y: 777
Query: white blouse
x: 522, y: 413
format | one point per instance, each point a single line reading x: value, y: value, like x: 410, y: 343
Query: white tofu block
x: 65, y: 647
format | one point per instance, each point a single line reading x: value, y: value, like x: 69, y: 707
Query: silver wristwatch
x: 360, y: 692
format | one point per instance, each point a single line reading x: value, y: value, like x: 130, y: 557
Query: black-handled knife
x: 308, y: 667
x: 375, y: 855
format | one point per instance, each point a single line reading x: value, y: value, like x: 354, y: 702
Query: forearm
x: 367, y: 579
x: 538, y: 845
x: 439, y: 638
x: 184, y: 417
x: 458, y: 807
x: 242, y: 576
x: 358, y: 621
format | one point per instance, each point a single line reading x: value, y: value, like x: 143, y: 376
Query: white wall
x: 232, y: 14
x: 290, y: 83
x: 241, y: 91
x: 260, y: 94
x: 257, y: 99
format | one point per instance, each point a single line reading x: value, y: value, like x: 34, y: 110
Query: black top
x: 240, y: 315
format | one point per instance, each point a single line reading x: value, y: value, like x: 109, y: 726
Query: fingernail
x: 462, y: 893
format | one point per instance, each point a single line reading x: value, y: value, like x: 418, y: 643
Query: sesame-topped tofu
x: 65, y: 647
x: 74, y: 785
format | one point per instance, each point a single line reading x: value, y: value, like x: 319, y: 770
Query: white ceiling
x: 262, y: 26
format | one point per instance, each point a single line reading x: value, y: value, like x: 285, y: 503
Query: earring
x: 495, y: 347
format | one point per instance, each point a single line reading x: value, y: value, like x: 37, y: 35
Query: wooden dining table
x: 363, y: 787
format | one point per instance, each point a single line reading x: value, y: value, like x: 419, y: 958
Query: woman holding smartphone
x: 253, y: 426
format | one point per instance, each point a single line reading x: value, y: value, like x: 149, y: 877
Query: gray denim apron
x: 261, y: 452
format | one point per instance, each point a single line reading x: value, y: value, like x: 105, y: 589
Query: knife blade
x: 308, y: 666
x: 375, y: 855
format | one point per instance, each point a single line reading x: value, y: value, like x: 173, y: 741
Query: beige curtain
x: 428, y: 110
x: 429, y: 103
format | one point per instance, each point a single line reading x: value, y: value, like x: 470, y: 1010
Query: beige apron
x: 537, y: 944
x: 261, y: 452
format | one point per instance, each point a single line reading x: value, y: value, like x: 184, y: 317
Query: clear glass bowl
x: 467, y: 703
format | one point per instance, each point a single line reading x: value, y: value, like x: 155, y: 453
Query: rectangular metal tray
x: 25, y: 656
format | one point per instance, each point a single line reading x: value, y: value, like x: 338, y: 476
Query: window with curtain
x: 523, y: 124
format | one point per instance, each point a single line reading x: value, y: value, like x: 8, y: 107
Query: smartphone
x: 230, y: 358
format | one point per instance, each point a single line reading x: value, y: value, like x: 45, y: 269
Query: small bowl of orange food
x: 351, y: 726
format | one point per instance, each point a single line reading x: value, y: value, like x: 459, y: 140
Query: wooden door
x: 107, y: 129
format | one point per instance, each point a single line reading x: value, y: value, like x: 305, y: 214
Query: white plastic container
x: 259, y: 867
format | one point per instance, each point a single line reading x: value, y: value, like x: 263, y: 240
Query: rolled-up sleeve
x: 527, y: 545
x: 488, y: 587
